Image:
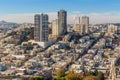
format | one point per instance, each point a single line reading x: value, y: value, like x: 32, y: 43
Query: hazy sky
x: 99, y: 11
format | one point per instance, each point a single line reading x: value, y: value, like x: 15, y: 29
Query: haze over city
x: 99, y: 11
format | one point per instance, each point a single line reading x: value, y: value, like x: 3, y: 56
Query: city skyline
x: 59, y: 40
x: 99, y: 11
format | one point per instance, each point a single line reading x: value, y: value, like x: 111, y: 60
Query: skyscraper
x: 62, y: 21
x: 85, y: 23
x: 41, y: 28
x: 77, y: 20
x: 55, y: 28
x: 77, y: 26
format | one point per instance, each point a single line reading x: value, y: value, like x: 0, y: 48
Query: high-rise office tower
x: 76, y: 26
x: 62, y: 21
x: 77, y: 20
x: 85, y: 23
x: 55, y: 28
x: 41, y: 28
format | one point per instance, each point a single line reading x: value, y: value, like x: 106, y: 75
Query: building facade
x: 41, y: 28
x: 62, y: 21
x: 55, y: 28
x: 81, y: 27
x: 77, y: 20
x: 85, y: 24
x: 76, y: 24
x: 112, y: 28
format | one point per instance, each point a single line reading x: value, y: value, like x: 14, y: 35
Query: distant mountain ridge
x: 7, y: 23
x: 118, y: 24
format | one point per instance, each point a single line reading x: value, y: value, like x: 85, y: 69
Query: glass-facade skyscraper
x: 41, y: 27
x: 62, y: 21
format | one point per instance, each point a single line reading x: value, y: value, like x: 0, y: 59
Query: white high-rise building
x: 81, y: 27
x: 55, y: 28
x: 77, y: 20
x: 76, y: 24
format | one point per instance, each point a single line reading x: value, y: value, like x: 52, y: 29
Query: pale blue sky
x: 31, y: 6
x: 99, y: 11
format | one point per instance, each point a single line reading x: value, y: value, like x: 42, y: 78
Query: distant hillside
x: 7, y: 23
x: 118, y: 24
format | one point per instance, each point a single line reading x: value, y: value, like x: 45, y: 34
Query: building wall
x: 81, y: 27
x: 85, y: 23
x: 55, y: 28
x: 112, y: 28
x: 37, y: 27
x: 62, y: 21
x: 41, y: 27
x: 78, y: 28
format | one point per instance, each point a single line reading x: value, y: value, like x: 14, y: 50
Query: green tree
x: 74, y: 76
x: 100, y: 76
x: 31, y: 78
x: 38, y: 78
x: 91, y: 78
x: 60, y: 73
x: 96, y: 72
x: 90, y: 73
x: 63, y: 78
